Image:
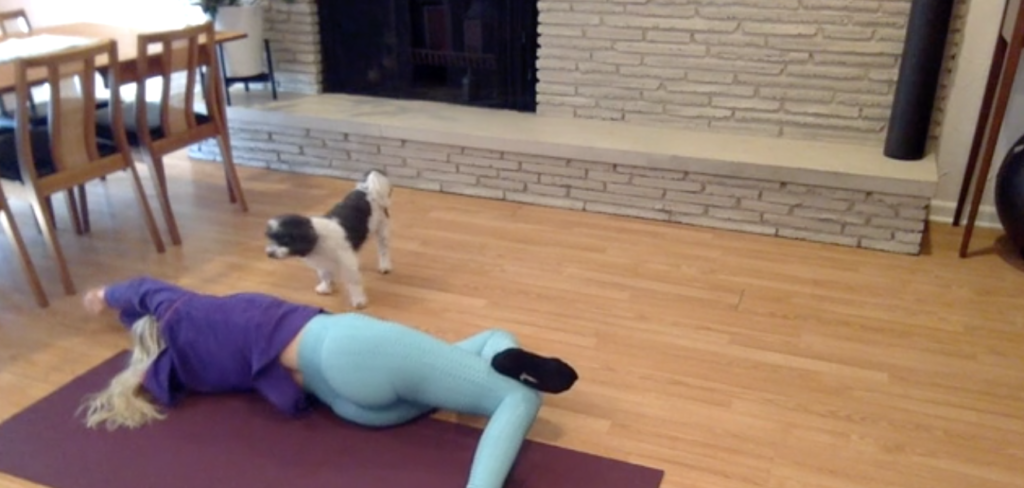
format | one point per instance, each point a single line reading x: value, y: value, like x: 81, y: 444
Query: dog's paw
x: 384, y: 268
x: 357, y: 296
x: 324, y: 289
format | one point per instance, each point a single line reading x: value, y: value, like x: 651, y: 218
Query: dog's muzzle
x: 276, y: 252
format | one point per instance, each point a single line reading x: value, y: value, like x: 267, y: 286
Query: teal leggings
x: 379, y: 374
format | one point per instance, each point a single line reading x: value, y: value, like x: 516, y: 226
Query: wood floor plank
x: 729, y: 360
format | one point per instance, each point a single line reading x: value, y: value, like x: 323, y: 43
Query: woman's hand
x: 94, y: 301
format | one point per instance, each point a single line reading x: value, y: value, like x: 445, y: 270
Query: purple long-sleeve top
x: 216, y: 344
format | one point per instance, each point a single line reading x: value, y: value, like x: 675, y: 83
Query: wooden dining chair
x: 172, y: 123
x: 15, y: 23
x: 10, y: 227
x: 67, y: 154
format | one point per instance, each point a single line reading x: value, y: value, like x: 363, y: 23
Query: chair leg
x: 156, y: 169
x: 270, y: 68
x: 147, y: 212
x: 224, y: 74
x: 231, y: 191
x: 11, y: 229
x: 49, y: 212
x: 83, y: 200
x: 222, y: 99
x: 43, y: 210
x: 234, y: 183
x: 76, y: 219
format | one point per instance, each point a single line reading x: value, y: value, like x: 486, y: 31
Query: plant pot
x: 244, y: 57
x: 1009, y: 194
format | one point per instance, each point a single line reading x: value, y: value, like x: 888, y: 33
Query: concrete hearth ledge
x: 829, y: 164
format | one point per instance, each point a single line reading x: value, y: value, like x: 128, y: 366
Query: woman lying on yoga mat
x: 368, y: 371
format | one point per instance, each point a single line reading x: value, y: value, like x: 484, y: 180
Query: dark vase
x: 1009, y: 194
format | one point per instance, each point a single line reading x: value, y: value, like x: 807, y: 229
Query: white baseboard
x: 942, y: 212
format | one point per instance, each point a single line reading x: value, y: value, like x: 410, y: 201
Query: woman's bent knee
x: 528, y: 401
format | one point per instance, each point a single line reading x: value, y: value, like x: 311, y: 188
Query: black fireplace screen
x: 472, y: 52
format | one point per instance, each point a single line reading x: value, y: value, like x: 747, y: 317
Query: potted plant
x: 245, y: 57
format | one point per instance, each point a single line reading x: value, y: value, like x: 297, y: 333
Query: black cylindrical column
x: 920, y: 67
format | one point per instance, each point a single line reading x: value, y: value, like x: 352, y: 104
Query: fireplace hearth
x: 470, y: 52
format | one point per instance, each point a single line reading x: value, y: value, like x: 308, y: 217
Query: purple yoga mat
x: 238, y: 440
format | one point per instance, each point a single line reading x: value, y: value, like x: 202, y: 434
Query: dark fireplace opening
x: 471, y: 52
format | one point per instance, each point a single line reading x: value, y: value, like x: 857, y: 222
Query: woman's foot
x: 550, y: 375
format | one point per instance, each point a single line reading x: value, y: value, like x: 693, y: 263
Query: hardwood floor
x: 729, y: 360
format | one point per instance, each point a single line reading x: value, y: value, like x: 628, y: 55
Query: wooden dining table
x: 127, y: 50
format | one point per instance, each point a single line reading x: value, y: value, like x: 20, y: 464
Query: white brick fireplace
x: 778, y: 79
x: 791, y: 68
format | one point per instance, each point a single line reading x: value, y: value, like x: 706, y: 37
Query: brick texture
x: 953, y: 43
x: 786, y: 68
x: 294, y: 34
x: 891, y: 223
x: 818, y: 69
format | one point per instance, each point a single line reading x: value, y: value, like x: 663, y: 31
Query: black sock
x: 550, y: 375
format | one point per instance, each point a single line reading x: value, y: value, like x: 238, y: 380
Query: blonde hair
x: 123, y: 403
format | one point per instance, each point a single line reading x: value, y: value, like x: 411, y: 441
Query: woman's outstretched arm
x: 135, y: 298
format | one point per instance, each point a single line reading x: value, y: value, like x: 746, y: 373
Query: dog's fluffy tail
x: 377, y: 188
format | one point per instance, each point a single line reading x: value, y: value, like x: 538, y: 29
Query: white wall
x: 1013, y: 124
x: 980, y: 34
x: 141, y: 13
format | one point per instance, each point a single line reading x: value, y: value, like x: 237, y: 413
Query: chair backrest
x: 182, y: 53
x: 71, y: 77
x: 14, y: 22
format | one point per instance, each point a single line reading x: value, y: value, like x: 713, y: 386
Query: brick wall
x: 789, y: 68
x: 294, y: 33
x: 798, y: 69
x: 870, y: 220
x: 956, y: 38
x: 823, y: 69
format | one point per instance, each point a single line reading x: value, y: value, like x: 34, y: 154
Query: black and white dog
x: 330, y: 243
